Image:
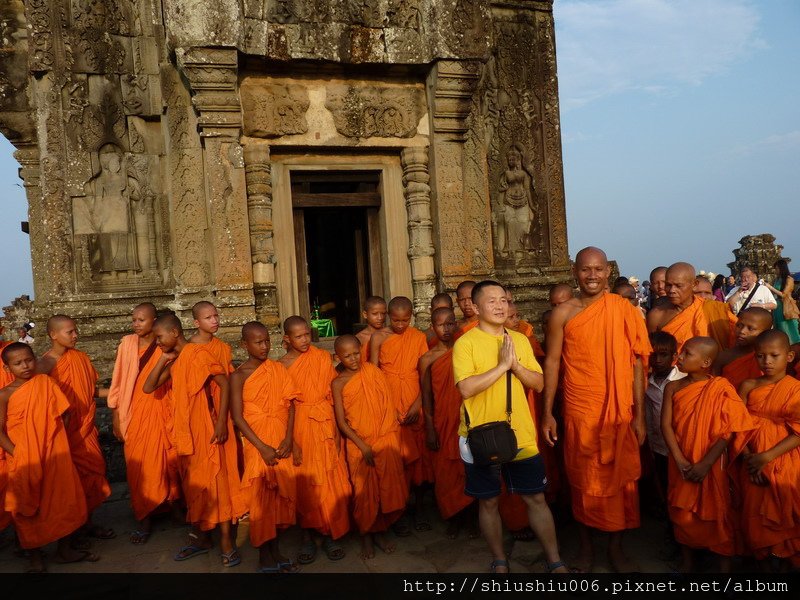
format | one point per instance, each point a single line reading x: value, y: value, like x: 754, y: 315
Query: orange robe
x: 448, y: 467
x: 702, y: 514
x: 464, y: 329
x: 209, y: 473
x: 379, y: 492
x: 323, y: 485
x: 266, y: 398
x: 77, y: 378
x: 771, y: 514
x: 529, y: 331
x: 150, y: 458
x: 44, y: 494
x: 399, y: 357
x: 5, y: 517
x: 5, y: 376
x: 744, y: 367
x: 601, y: 452
x: 703, y: 318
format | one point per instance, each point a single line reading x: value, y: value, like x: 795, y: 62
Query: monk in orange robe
x: 469, y: 318
x: 204, y: 439
x: 74, y: 373
x: 323, y: 484
x: 771, y: 481
x: 441, y: 300
x: 44, y: 494
x: 142, y: 422
x: 441, y: 402
x: 739, y: 363
x: 262, y: 402
x: 5, y: 376
x: 600, y: 341
x: 699, y: 417
x: 367, y: 417
x: 374, y: 314
x: 686, y: 316
x: 397, y: 353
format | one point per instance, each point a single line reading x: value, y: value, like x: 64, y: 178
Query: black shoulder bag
x: 493, y: 443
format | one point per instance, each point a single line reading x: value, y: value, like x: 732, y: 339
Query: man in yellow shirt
x: 481, y: 358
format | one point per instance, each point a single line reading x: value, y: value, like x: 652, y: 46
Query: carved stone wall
x: 759, y: 253
x: 146, y: 130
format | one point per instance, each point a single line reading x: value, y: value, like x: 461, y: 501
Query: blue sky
x: 681, y: 128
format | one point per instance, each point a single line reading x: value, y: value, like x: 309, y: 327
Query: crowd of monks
x: 354, y: 440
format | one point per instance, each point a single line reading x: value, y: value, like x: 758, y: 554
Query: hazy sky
x: 681, y: 128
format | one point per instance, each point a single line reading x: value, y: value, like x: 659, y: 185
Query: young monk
x: 560, y: 293
x: 206, y: 320
x: 397, y: 353
x: 441, y: 402
x: 262, y: 402
x: 374, y: 314
x: 44, y: 494
x: 142, y: 422
x: 323, y: 486
x: 771, y: 488
x: 367, y: 417
x: 441, y: 300
x: 74, y: 373
x: 515, y: 323
x: 739, y: 363
x: 469, y: 318
x: 5, y: 376
x: 699, y: 417
x: 203, y: 439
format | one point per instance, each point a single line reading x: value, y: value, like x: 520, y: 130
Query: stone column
x: 262, y: 248
x: 213, y: 79
x: 420, y: 238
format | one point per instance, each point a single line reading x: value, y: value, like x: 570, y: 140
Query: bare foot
x: 384, y: 544
x: 367, y: 548
x: 68, y: 555
x: 37, y: 562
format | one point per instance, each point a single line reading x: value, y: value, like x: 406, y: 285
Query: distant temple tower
x: 759, y: 252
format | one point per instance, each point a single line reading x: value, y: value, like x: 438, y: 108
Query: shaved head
x: 658, y: 271
x: 762, y: 316
x: 589, y: 253
x: 681, y: 279
x: 400, y: 303
x: 591, y: 270
x: 293, y: 321
x: 466, y: 287
x: 658, y: 287
x: 442, y: 300
x: 56, y: 322
x: 773, y: 336
x: 344, y: 340
x: 682, y: 269
x: 373, y: 301
x: 707, y: 346
x: 147, y: 307
x: 13, y: 348
x: 200, y: 306
x: 560, y: 293
x: 254, y: 327
x: 169, y: 322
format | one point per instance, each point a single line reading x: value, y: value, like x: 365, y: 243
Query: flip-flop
x: 333, y: 549
x: 421, y: 524
x: 231, y: 559
x: 307, y: 553
x: 139, y: 537
x: 288, y: 567
x: 499, y: 563
x: 270, y: 570
x: 192, y: 550
x: 98, y: 532
x: 401, y: 528
x: 84, y: 556
x: 556, y: 565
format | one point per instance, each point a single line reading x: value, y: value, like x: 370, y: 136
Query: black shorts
x: 524, y: 476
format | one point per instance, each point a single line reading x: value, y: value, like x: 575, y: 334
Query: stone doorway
x: 337, y: 243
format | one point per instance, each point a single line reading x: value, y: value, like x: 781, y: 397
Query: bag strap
x: 750, y: 297
x: 508, y: 396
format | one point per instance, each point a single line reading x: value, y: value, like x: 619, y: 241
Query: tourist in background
x: 718, y: 288
x: 752, y: 292
x: 24, y: 334
x: 786, y: 314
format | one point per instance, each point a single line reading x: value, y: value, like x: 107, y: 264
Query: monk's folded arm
x: 286, y: 444
x: 158, y: 376
x: 237, y: 413
x: 715, y: 452
x: 427, y: 397
x: 341, y: 421
x: 638, y: 388
x: 475, y: 384
x: 666, y: 429
x: 787, y: 444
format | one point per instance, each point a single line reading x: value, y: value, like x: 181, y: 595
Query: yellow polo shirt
x: 476, y: 352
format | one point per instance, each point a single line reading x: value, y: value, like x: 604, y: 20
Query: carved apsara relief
x: 373, y: 111
x: 273, y: 110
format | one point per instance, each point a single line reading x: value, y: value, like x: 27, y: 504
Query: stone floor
x: 424, y: 552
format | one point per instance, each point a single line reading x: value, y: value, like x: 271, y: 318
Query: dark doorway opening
x: 337, y: 243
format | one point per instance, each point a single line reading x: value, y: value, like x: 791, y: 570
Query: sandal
x: 190, y: 551
x: 333, y: 549
x: 308, y: 553
x: 401, y: 528
x: 139, y: 537
x: 556, y: 565
x: 499, y: 563
x: 288, y: 567
x: 231, y: 559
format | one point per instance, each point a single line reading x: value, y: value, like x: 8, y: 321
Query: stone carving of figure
x: 112, y: 245
x: 516, y: 205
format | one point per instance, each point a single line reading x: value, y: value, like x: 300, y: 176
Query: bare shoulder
x: 428, y: 358
x: 674, y: 386
x: 565, y: 311
x: 45, y: 364
x: 5, y: 394
x: 748, y: 385
x: 338, y: 383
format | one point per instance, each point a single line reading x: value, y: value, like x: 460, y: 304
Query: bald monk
x: 441, y: 403
x: 771, y: 490
x: 367, y: 417
x: 74, y: 373
x: 517, y: 323
x: 441, y: 300
x: 703, y: 289
x: 699, y: 417
x: 207, y: 321
x: 686, y: 316
x: 262, y: 402
x: 323, y: 486
x: 559, y: 293
x: 44, y: 494
x: 203, y: 435
x: 658, y: 286
x: 374, y: 314
x: 739, y: 363
x: 600, y: 342
x: 142, y: 422
x: 397, y: 354
x: 5, y: 376
x: 469, y: 318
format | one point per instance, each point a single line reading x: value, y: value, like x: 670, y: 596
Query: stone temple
x: 275, y: 156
